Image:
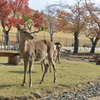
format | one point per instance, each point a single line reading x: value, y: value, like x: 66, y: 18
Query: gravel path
x: 94, y: 98
x: 91, y: 92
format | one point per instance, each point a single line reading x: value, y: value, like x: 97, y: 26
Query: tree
x: 34, y: 19
x: 8, y: 10
x: 39, y: 22
x: 93, y: 34
x: 94, y: 13
x: 51, y: 21
x: 73, y: 19
x: 13, y: 12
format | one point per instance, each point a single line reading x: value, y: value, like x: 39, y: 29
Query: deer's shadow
x: 21, y: 72
x: 9, y: 86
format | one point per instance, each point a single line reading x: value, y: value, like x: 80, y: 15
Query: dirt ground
x: 82, y: 57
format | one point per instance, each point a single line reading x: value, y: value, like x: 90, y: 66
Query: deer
x: 46, y: 59
x: 58, y: 49
x: 56, y: 55
x: 31, y: 51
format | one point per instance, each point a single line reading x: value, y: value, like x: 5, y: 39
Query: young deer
x: 58, y: 48
x: 31, y: 51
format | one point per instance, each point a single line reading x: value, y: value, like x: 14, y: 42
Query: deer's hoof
x: 55, y: 81
x: 30, y: 85
x: 41, y: 82
x: 22, y: 84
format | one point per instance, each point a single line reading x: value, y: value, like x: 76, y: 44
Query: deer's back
x: 37, y: 50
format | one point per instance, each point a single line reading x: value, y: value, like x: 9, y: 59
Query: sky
x: 40, y: 4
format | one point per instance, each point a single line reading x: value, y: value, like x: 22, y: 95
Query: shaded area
x: 20, y: 72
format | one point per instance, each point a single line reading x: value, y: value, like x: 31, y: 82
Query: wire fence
x: 12, y: 43
x: 69, y: 42
x: 66, y: 42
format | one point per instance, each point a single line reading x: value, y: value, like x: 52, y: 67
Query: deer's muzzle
x: 32, y: 37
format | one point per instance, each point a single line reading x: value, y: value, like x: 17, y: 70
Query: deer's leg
x: 25, y: 71
x: 54, y: 71
x: 42, y: 65
x: 54, y: 67
x: 49, y: 66
x: 58, y: 57
x: 30, y: 73
x: 45, y: 71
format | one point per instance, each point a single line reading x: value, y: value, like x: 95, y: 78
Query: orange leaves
x: 74, y: 19
x: 95, y: 18
x: 9, y: 9
x: 18, y: 5
x: 97, y: 32
x: 38, y: 19
x: 14, y: 21
x: 4, y: 10
x: 62, y: 12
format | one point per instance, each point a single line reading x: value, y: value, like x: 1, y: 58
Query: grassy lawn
x: 68, y: 73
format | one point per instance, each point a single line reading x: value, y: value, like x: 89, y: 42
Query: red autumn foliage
x: 38, y: 19
x: 8, y: 9
x: 14, y: 21
x: 18, y: 5
x: 4, y: 10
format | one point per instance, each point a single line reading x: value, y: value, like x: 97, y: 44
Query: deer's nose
x: 32, y: 37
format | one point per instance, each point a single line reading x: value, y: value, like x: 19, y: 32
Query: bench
x: 97, y: 59
x: 13, y: 57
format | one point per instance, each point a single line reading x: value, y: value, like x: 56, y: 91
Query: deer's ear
x: 19, y: 27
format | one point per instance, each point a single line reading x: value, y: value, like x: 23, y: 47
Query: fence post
x: 66, y: 41
x: 59, y: 39
x: 2, y: 41
x: 44, y: 36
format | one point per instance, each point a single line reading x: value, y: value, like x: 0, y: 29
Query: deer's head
x: 25, y: 34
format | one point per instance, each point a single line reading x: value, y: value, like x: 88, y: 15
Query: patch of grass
x: 68, y: 73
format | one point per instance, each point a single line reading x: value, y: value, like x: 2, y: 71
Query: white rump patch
x: 58, y: 45
x: 54, y: 47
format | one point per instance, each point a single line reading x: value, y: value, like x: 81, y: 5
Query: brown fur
x: 32, y: 51
x: 58, y: 48
x: 56, y: 55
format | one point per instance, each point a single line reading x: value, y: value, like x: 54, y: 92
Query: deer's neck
x: 21, y: 45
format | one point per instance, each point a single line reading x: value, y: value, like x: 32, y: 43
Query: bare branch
x: 39, y: 29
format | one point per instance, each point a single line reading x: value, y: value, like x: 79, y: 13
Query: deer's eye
x: 25, y: 32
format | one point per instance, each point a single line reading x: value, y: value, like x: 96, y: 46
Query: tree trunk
x: 6, y: 37
x: 17, y: 36
x: 94, y: 45
x: 76, y: 42
x: 51, y: 37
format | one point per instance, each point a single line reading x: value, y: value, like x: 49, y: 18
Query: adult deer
x: 31, y: 51
x: 46, y: 59
x: 56, y: 55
